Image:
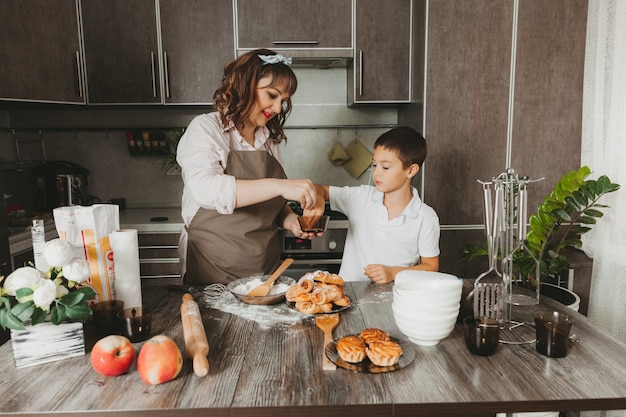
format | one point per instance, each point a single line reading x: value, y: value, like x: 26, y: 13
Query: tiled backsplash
x: 96, y: 139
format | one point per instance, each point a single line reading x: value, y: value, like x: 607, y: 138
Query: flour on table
x: 244, y: 289
x: 218, y: 297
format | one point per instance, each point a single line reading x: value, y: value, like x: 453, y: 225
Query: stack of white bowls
x: 426, y: 305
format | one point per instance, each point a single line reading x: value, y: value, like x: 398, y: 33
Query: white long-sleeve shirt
x: 202, y: 154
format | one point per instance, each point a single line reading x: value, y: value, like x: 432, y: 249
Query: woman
x: 235, y: 189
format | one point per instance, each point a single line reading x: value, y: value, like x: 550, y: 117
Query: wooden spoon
x: 263, y: 289
x: 327, y: 322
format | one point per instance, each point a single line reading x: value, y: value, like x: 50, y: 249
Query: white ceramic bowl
x: 426, y: 337
x: 416, y: 279
x: 424, y: 331
x: 430, y: 320
x: 418, y: 310
x: 405, y: 301
x: 414, y: 288
x: 426, y: 289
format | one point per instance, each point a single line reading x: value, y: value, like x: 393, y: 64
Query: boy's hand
x: 379, y: 274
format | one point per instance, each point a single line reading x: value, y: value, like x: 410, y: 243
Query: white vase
x: 47, y: 342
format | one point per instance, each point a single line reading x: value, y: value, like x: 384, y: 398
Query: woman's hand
x: 302, y: 191
x: 256, y: 191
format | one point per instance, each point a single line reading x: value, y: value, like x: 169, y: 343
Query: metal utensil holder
x: 510, y: 224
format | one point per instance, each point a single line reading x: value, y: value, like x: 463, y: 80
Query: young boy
x: 390, y: 228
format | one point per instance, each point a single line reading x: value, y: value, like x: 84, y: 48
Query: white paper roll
x: 125, y: 248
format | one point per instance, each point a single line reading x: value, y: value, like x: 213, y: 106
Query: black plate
x: 367, y: 367
x: 336, y: 308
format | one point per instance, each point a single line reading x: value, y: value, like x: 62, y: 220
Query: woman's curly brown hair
x: 236, y: 97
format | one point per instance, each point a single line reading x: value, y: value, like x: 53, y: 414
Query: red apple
x: 160, y: 360
x: 112, y: 355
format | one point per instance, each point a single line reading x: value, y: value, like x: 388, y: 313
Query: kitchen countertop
x: 139, y: 218
x: 132, y: 218
x: 271, y: 368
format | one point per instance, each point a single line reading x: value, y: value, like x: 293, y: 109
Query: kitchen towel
x: 87, y: 228
x: 125, y: 246
x: 360, y: 159
x: 338, y: 155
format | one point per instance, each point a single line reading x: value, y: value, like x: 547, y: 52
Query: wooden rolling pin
x: 196, y: 344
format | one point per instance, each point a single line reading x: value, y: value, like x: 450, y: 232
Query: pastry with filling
x: 303, y: 286
x: 326, y: 308
x: 333, y: 293
x: 308, y: 307
x: 302, y: 297
x: 351, y: 349
x: 328, y: 278
x: 372, y: 334
x: 306, y: 283
x: 319, y: 296
x: 384, y: 352
x: 342, y: 302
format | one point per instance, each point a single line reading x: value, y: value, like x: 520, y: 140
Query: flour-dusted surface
x: 245, y: 288
x: 218, y: 297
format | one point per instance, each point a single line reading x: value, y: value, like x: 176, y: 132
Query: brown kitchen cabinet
x: 198, y: 40
x: 121, y: 51
x: 295, y: 25
x: 40, y: 57
x: 467, y: 101
x: 381, y: 71
x: 148, y: 52
x: 158, y: 258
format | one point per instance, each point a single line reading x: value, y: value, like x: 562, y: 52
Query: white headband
x: 275, y: 59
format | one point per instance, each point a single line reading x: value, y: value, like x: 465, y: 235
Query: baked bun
x: 384, y: 352
x: 319, y: 287
x: 343, y: 301
x: 371, y: 335
x: 351, y: 349
x: 326, y: 308
x: 308, y: 307
x: 303, y: 286
x: 319, y: 296
x: 302, y: 297
x: 306, y: 284
x: 328, y: 278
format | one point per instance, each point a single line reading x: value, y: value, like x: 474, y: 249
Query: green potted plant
x: 168, y: 159
x: 564, y: 215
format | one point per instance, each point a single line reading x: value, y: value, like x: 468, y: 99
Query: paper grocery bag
x: 87, y: 228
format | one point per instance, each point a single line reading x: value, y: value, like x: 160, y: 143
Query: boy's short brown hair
x: 408, y: 143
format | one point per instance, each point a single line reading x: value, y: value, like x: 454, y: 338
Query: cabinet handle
x: 154, y: 94
x: 295, y: 42
x: 361, y: 73
x: 80, y: 75
x: 167, y: 75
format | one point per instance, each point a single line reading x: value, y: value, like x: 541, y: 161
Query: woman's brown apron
x: 224, y: 247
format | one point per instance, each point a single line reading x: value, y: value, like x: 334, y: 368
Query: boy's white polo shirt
x: 373, y: 239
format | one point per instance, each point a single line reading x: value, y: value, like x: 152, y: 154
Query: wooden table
x: 276, y: 370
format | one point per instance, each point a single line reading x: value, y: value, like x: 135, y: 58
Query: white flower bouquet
x: 28, y: 295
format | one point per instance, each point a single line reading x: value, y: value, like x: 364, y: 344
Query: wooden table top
x: 264, y: 366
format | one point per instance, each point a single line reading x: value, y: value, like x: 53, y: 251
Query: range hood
x: 314, y: 58
x: 320, y: 62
